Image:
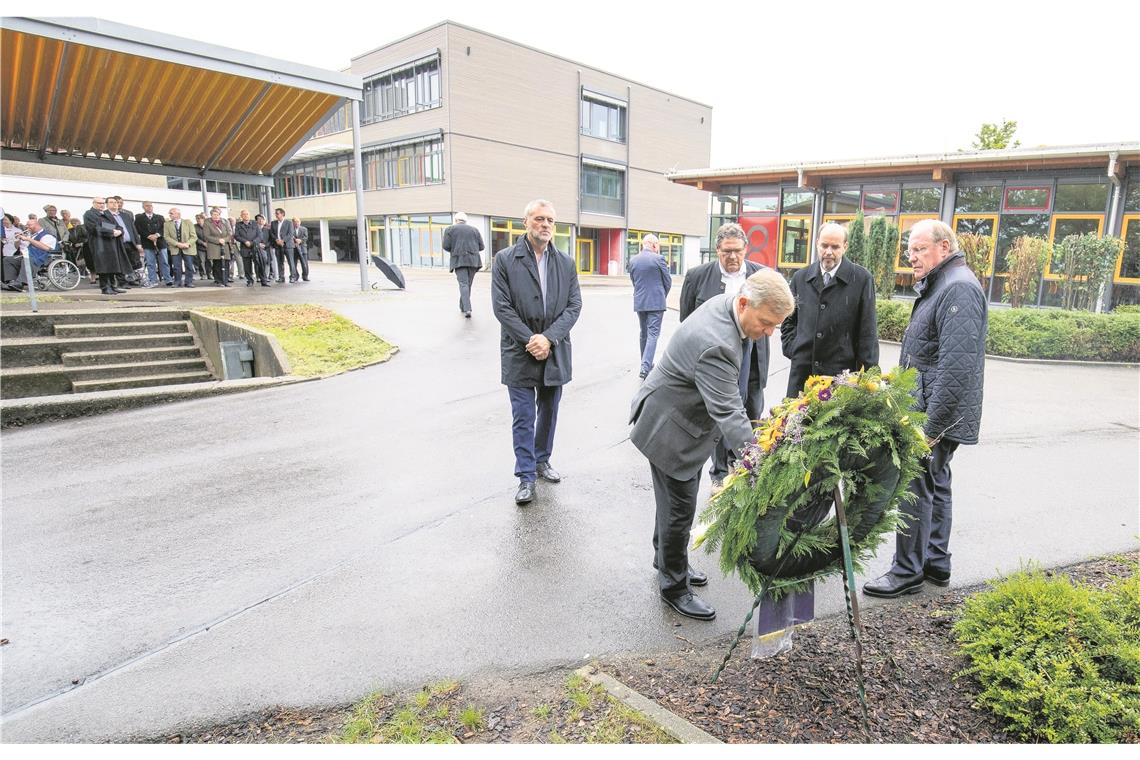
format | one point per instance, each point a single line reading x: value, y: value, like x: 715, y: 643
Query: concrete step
x: 143, y: 381
x: 23, y: 382
x: 116, y: 329
x: 17, y: 325
x: 137, y: 369
x: 36, y: 352
x: 128, y: 355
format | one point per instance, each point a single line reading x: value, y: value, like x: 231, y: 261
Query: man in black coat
x: 726, y: 275
x: 150, y: 227
x: 247, y: 234
x: 834, y: 326
x: 946, y: 342
x: 107, y: 258
x: 463, y: 242
x: 535, y: 297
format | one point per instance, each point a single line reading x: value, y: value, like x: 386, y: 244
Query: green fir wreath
x: 857, y: 427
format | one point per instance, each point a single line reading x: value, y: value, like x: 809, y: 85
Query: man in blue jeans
x: 651, y: 284
x: 535, y: 297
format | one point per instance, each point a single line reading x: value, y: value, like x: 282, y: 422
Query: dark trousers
x: 676, y: 507
x: 534, y: 415
x: 650, y: 331
x: 302, y: 262
x: 465, y: 276
x: 926, y: 539
x: 252, y: 263
x: 221, y: 270
x: 282, y: 256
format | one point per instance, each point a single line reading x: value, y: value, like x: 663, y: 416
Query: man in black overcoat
x: 463, y: 242
x: 535, y: 297
x: 834, y: 326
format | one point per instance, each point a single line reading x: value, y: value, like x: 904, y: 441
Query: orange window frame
x: 1053, y: 233
x: 1116, y: 277
x: 783, y: 231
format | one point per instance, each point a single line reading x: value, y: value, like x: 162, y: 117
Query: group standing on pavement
x: 120, y: 250
x: 702, y: 399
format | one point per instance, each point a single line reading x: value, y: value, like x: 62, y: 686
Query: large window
x: 322, y: 176
x: 506, y: 232
x: 417, y: 240
x: 234, y: 190
x: 401, y: 91
x: 603, y: 190
x: 417, y: 163
x: 602, y: 119
x: 672, y: 247
x: 338, y: 122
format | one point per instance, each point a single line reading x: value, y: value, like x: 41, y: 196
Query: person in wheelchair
x: 49, y: 264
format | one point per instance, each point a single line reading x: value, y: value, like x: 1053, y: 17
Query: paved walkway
x: 184, y: 564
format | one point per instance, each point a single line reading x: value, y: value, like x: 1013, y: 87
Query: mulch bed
x: 809, y: 694
x: 805, y: 695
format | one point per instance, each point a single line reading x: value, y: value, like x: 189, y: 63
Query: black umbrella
x: 391, y: 271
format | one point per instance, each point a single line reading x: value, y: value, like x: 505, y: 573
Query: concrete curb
x: 1062, y: 362
x: 671, y: 723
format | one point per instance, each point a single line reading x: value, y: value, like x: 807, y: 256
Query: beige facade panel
x: 425, y: 199
x: 403, y: 51
x: 499, y: 180
x: 403, y: 126
x: 655, y: 204
x: 335, y: 206
x: 603, y: 221
x: 605, y: 84
x: 75, y: 174
x: 510, y: 93
x: 667, y: 132
x: 607, y: 149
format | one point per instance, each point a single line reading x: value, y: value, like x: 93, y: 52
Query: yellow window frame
x: 914, y: 219
x: 1053, y: 232
x: 564, y: 239
x: 780, y: 250
x: 993, y: 235
x: 1128, y: 219
x: 589, y: 243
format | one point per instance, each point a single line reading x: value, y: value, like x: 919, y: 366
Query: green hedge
x: 1058, y: 661
x: 1041, y: 333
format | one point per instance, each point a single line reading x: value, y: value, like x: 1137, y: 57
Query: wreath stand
x: 854, y: 622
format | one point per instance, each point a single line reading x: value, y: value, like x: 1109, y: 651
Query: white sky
x: 787, y: 81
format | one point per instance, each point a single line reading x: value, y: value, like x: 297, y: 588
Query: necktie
x: 178, y: 227
x: 826, y: 279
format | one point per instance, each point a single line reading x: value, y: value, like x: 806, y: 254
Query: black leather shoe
x: 525, y: 493
x: 547, y: 473
x: 106, y: 291
x: 890, y: 586
x: 116, y: 291
x: 935, y: 576
x: 696, y: 577
x: 691, y: 606
x: 467, y: 314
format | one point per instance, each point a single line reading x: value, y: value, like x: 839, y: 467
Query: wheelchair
x: 58, y: 273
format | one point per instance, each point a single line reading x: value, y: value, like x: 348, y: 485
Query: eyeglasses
x: 918, y: 251
x: 731, y: 254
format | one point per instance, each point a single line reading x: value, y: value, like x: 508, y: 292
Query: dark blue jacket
x: 946, y: 342
x: 516, y: 299
x: 651, y: 281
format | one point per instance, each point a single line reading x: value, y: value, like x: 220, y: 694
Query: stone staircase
x: 73, y: 352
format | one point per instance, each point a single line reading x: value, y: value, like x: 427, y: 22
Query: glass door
x: 585, y: 256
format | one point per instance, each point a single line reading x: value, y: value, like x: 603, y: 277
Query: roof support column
x: 361, y: 227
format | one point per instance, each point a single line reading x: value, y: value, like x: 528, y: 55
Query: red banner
x: 762, y: 232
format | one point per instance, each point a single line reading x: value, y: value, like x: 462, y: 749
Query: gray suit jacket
x: 693, y: 390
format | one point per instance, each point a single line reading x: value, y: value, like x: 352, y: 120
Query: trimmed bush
x: 1058, y: 661
x: 1041, y: 333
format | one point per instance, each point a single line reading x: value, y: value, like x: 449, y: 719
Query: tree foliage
x: 881, y: 249
x: 1084, y: 263
x: 857, y: 241
x: 977, y: 249
x: 996, y: 136
x: 1026, y: 261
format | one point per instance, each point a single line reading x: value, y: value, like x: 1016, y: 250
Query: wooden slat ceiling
x: 102, y: 108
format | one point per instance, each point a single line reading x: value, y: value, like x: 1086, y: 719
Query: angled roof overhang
x: 89, y: 92
x: 939, y: 167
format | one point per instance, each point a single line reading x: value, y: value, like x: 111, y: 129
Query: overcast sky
x: 787, y: 81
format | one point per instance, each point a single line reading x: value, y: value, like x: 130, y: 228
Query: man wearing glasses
x: 946, y: 342
x: 726, y: 275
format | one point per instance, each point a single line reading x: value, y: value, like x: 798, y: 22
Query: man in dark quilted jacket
x: 946, y: 342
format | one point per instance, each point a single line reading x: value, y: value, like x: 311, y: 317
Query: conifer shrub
x: 1058, y: 661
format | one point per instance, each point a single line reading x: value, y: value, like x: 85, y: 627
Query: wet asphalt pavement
x: 184, y: 564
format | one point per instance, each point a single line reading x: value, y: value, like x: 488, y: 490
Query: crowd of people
x: 115, y: 249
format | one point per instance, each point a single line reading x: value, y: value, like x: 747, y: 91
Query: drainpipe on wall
x: 1105, y: 298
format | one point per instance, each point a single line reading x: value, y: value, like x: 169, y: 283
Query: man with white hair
x: 464, y: 243
x: 651, y: 283
x: 946, y: 342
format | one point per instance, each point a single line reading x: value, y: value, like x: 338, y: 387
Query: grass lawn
x: 316, y: 341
